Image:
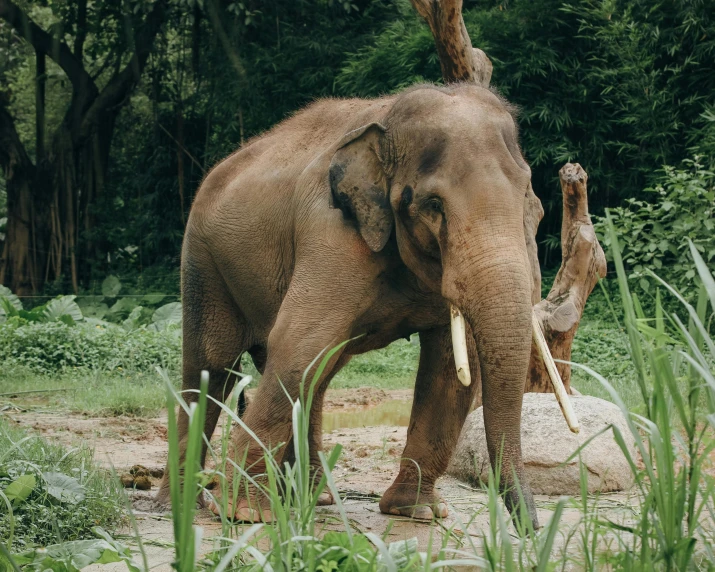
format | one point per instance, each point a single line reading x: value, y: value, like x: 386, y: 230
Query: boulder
x: 546, y: 442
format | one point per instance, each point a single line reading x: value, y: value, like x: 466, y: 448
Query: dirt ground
x: 369, y: 423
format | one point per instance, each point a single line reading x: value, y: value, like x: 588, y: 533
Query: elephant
x: 369, y: 221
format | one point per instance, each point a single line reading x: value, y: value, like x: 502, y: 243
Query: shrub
x: 655, y: 234
x: 55, y: 345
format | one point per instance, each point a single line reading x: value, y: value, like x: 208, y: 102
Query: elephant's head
x: 444, y: 170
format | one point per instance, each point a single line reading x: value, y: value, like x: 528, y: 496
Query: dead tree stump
x: 583, y: 263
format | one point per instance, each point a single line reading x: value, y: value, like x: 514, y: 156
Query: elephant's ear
x: 359, y: 185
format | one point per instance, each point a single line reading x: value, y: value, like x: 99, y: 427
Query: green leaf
x: 94, y: 310
x: 6, y: 293
x: 705, y: 275
x: 64, y: 488
x: 153, y: 298
x: 35, y: 315
x: 111, y: 286
x: 121, y: 309
x: 75, y: 555
x: 167, y: 315
x: 21, y: 488
x: 7, y: 309
x: 136, y: 317
x: 92, y: 306
x: 65, y: 319
x: 63, y: 306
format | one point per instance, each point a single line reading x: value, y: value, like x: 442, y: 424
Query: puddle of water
x: 394, y: 412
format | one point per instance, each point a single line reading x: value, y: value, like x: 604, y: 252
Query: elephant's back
x: 243, y: 215
x: 266, y: 168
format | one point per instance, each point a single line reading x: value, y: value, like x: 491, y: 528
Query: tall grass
x: 673, y: 437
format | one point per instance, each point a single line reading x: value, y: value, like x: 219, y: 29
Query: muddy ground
x: 369, y: 423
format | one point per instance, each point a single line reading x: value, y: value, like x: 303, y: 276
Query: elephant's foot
x: 413, y: 501
x: 316, y: 474
x: 254, y: 507
x: 326, y: 499
x: 162, y: 499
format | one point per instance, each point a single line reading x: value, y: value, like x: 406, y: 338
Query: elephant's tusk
x: 561, y: 396
x: 459, y: 345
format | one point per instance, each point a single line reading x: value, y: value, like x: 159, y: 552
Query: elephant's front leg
x: 315, y: 433
x: 305, y: 326
x: 441, y: 404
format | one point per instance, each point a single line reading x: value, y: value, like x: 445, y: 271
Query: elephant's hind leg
x: 214, y: 337
x: 440, y: 406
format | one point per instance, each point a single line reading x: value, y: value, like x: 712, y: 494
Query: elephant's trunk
x: 491, y: 285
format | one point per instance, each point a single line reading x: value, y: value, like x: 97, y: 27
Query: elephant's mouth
x: 461, y: 362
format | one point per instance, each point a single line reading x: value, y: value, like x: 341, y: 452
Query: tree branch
x: 44, y: 43
x: 123, y: 82
x: 81, y: 34
x: 13, y: 155
x: 458, y: 59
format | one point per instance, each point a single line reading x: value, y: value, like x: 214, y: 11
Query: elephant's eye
x: 433, y: 204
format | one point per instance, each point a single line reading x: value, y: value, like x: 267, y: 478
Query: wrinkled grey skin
x: 367, y: 218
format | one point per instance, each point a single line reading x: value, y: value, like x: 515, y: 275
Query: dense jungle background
x: 112, y: 112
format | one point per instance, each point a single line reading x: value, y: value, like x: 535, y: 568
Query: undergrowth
x: 55, y: 494
x: 83, y: 390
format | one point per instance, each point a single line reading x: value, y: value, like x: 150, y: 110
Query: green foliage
x: 53, y: 494
x: 655, y: 233
x: 132, y: 311
x: 50, y: 346
x: 61, y: 309
x: 623, y: 86
x: 603, y: 346
x: 75, y: 555
x: 57, y: 335
x: 393, y: 367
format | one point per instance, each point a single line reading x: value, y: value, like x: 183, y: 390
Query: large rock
x: 547, y: 442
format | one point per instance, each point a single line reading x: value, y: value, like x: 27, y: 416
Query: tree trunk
x: 23, y: 256
x: 78, y: 173
x: 40, y: 79
x: 50, y: 217
x: 458, y: 59
x: 24, y: 251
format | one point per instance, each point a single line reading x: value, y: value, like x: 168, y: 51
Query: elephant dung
x: 547, y: 442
